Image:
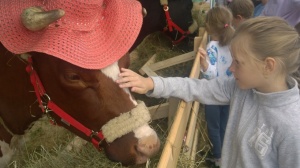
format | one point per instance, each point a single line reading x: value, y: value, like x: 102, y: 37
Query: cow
x: 89, y: 96
x: 179, y: 12
x: 177, y: 19
x: 85, y: 100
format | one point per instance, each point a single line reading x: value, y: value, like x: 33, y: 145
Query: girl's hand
x: 137, y: 83
x: 203, y: 56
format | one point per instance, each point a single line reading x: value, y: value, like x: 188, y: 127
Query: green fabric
x: 197, y: 0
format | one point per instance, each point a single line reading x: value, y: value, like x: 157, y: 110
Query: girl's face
x: 246, y: 70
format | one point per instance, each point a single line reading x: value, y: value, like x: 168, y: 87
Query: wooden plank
x: 195, y: 145
x: 191, y: 129
x: 146, y: 69
x: 195, y: 72
x: 201, y: 32
x: 159, y: 111
x: 173, y: 106
x: 170, y: 153
x: 197, y: 42
x: 173, y: 61
x: 150, y: 61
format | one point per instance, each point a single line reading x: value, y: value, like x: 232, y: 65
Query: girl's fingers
x: 125, y: 74
x: 126, y: 80
x: 138, y: 90
x: 202, y: 52
x: 130, y: 79
x: 202, y: 57
x: 125, y: 70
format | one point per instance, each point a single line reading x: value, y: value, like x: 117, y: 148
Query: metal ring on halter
x: 93, y: 134
x: 45, y: 99
x: 166, y: 8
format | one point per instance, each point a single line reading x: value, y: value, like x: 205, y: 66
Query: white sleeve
x: 212, y: 53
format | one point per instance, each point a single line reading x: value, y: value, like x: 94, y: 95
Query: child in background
x: 263, y: 129
x: 218, y: 26
x: 241, y: 11
x: 259, y: 8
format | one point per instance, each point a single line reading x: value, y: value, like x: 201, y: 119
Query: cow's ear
x: 25, y: 56
x: 124, y: 62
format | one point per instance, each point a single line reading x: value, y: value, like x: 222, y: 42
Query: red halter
x: 47, y: 106
x: 171, y: 25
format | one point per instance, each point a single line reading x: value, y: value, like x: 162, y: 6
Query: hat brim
x: 94, y: 46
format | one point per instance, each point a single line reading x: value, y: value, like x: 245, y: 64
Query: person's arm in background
x: 289, y: 10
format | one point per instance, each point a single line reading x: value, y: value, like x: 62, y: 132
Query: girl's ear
x: 239, y: 18
x: 270, y: 64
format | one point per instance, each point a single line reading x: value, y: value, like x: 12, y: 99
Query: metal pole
x: 212, y: 3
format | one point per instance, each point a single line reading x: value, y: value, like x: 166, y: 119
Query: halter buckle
x: 44, y: 100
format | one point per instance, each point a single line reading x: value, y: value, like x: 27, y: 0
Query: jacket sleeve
x: 216, y: 91
x: 212, y: 53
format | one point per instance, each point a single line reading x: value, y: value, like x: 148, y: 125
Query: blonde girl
x: 263, y: 129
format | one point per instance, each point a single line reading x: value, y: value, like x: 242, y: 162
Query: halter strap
x: 171, y: 24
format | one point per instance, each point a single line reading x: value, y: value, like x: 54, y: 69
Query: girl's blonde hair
x: 218, y: 22
x: 271, y: 37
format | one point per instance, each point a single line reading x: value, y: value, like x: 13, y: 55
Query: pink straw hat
x: 92, y: 34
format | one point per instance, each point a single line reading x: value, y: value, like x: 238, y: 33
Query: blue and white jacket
x: 219, y: 60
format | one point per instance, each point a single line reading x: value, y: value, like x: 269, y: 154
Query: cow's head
x: 93, y: 98
x: 75, y: 48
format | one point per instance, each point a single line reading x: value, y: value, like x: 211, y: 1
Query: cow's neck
x: 17, y: 98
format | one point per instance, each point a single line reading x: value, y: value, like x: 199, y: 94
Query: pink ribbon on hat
x: 226, y: 25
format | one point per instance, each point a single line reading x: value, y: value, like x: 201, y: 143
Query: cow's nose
x: 147, y: 147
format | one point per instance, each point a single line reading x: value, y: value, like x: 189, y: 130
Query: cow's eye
x: 72, y: 76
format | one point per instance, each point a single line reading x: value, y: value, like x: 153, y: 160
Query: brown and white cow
x: 91, y: 97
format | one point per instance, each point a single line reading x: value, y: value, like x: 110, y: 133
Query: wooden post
x: 191, y: 130
x: 173, y: 106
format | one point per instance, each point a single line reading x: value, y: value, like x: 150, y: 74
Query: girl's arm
x: 217, y: 91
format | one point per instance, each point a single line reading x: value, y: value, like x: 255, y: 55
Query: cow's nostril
x: 149, y: 145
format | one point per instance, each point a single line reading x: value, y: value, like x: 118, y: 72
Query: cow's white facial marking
x: 7, y: 154
x: 144, y: 131
x: 112, y: 71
